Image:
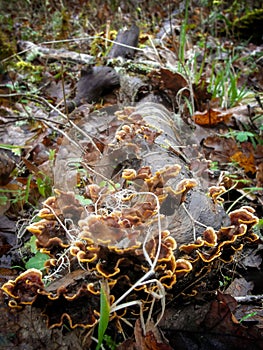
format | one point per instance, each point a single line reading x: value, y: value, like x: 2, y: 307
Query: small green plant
x: 31, y: 256
x: 214, y: 166
x: 104, y: 312
x: 224, y: 84
x: 38, y: 260
x: 19, y: 196
x: 43, y: 181
x: 245, y: 135
x: 258, y: 229
x: 226, y: 281
x: 83, y: 201
x: 28, y: 33
x: 244, y: 318
x: 181, y: 53
x: 109, y: 342
x: 44, y: 185
x: 240, y: 136
x: 16, y: 150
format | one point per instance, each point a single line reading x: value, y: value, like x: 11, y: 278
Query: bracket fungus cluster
x: 136, y: 237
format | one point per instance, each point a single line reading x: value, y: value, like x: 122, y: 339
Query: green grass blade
x: 104, y: 313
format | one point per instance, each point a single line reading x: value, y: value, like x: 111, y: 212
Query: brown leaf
x: 259, y: 175
x: 27, y: 329
x: 7, y: 165
x: 165, y: 79
x: 221, y: 320
x: 151, y: 341
x: 239, y: 287
x: 201, y: 95
x: 247, y: 162
x: 128, y: 344
x: 254, y: 312
x: 7, y: 234
x: 213, y: 322
x: 211, y: 117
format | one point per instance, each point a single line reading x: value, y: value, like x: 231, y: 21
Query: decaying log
x: 96, y: 81
x: 93, y: 83
x: 132, y: 89
x: 136, y: 154
x: 54, y: 54
x: 125, y: 41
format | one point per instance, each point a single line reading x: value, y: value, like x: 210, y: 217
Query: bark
x: 54, y: 54
x: 125, y: 41
x: 93, y: 83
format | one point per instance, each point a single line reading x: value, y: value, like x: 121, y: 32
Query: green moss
x: 7, y: 47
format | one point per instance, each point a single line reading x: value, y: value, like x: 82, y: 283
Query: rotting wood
x: 54, y: 54
x: 93, y: 83
x: 125, y: 43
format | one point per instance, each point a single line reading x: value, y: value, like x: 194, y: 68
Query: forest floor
x: 131, y: 187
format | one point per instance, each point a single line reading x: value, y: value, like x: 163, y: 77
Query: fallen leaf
x: 219, y: 149
x: 253, y: 258
x: 152, y: 340
x: 211, y: 117
x: 239, y: 287
x: 212, y: 325
x: 246, y: 162
x: 164, y: 79
x: 259, y: 175
x: 252, y: 313
x: 201, y: 95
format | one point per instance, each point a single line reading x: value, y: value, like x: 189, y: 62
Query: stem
x: 183, y: 36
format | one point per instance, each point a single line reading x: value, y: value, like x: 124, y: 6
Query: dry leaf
x: 211, y: 117
x: 239, y: 287
x: 165, y: 79
x: 246, y: 162
x: 151, y: 341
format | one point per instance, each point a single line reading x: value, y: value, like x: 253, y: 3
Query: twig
x: 145, y: 279
x: 249, y: 298
x: 193, y: 221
